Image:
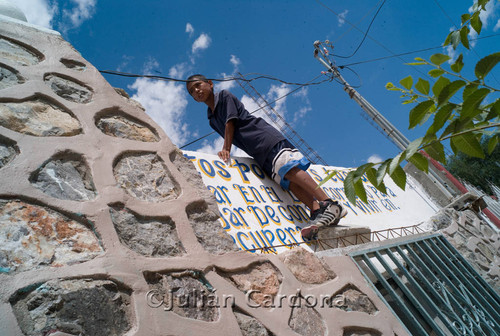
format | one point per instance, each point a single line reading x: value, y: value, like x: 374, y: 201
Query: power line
x: 366, y: 33
x: 227, y: 79
x: 265, y: 105
x: 409, y: 52
x: 361, y: 20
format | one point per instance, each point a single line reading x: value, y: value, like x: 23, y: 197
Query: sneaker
x: 331, y: 212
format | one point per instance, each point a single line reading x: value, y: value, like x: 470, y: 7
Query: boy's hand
x: 224, y: 156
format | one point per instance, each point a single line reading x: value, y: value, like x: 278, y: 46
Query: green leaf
x: 371, y: 175
x: 476, y: 23
x: 468, y: 144
x: 420, y: 161
x: 457, y: 125
x: 349, y: 189
x: 359, y: 188
x: 399, y: 177
x: 464, y: 32
x: 448, y: 91
x: 416, y: 63
x: 469, y: 88
x: 494, y: 110
x: 361, y: 171
x: 391, y: 87
x: 439, y: 85
x: 439, y: 59
x: 418, y: 113
x: 486, y: 64
x: 396, y: 161
x: 441, y: 117
x: 447, y: 40
x: 455, y: 39
x: 382, y: 170
x: 492, y: 144
x: 436, y: 73
x: 328, y: 177
x: 458, y: 65
x: 420, y: 59
x: 465, y: 17
x: 423, y: 86
x: 470, y: 106
x: 407, y: 82
x: 413, y: 147
x: 436, y: 151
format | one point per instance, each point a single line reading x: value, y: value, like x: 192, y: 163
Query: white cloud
x: 497, y: 26
x: 303, y: 110
x: 375, y: 158
x: 124, y: 63
x: 235, y: 61
x: 453, y: 53
x: 150, y: 65
x: 201, y: 43
x: 342, y: 18
x: 165, y: 103
x: 189, y: 29
x: 213, y: 147
x: 276, y: 92
x: 38, y: 12
x: 485, y: 17
x: 83, y: 11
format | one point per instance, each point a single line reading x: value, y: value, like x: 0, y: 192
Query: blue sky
x: 177, y: 38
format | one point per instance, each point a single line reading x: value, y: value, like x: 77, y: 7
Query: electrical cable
x: 165, y: 78
x: 366, y: 33
x: 361, y: 20
x: 409, y: 52
x: 260, y: 108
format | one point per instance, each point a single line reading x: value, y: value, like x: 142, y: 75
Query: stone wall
x: 106, y: 229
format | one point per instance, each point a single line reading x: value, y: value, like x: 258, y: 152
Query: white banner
x: 257, y: 212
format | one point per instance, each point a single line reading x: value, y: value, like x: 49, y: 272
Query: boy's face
x: 200, y: 90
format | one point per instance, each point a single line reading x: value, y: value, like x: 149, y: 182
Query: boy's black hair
x: 197, y: 77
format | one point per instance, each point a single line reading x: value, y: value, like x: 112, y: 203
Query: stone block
x: 33, y: 236
x: 186, y: 293
x: 72, y: 64
x: 9, y: 77
x: 306, y: 266
x: 146, y: 177
x: 66, y: 176
x: 8, y: 150
x: 126, y: 128
x: 306, y: 321
x: 207, y: 228
x: 77, y: 307
x: 250, y: 326
x: 152, y: 237
x: 263, y: 280
x: 38, y: 117
x: 17, y: 52
x: 69, y: 89
x: 350, y: 298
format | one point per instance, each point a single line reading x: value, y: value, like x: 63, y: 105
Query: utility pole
x: 321, y: 54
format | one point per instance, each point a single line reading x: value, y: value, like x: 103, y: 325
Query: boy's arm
x: 224, y: 154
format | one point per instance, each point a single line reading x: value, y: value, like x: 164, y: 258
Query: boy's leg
x: 305, y: 184
x: 330, y: 211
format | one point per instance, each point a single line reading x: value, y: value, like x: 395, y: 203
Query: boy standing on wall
x: 276, y: 155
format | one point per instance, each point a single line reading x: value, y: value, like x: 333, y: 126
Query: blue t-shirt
x: 252, y: 134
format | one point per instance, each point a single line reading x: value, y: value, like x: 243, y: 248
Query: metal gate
x: 431, y: 287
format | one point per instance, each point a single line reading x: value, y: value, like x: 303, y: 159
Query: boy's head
x: 199, y: 87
